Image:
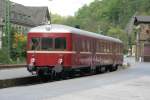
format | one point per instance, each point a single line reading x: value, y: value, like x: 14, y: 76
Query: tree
x: 109, y: 17
x: 57, y: 19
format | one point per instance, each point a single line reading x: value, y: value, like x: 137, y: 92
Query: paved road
x: 132, y: 83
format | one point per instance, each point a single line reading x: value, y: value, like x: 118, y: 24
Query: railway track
x: 23, y: 81
x: 30, y: 80
x: 9, y: 66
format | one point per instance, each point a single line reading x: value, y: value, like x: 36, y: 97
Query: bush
x: 18, y: 46
x: 4, y: 56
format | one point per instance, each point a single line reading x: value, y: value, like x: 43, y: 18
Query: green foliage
x: 18, y: 46
x: 57, y: 19
x: 4, y: 56
x: 109, y: 17
x: 117, y: 32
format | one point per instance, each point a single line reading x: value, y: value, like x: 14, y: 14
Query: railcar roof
x: 57, y: 28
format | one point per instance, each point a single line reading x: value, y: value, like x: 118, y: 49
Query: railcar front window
x: 47, y: 44
x: 60, y: 43
x: 35, y: 44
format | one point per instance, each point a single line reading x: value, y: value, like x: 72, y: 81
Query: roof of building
x: 142, y: 19
x: 57, y: 28
x: 34, y: 15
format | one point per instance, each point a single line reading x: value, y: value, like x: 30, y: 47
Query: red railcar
x: 58, y: 48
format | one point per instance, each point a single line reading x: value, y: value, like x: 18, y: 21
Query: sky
x: 61, y: 7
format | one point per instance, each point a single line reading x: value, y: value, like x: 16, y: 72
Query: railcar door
x: 93, y: 48
x: 114, y: 53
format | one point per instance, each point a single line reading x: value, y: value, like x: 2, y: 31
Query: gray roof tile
x: 35, y: 15
x: 141, y: 19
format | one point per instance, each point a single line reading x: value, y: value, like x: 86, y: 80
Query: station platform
x: 14, y: 73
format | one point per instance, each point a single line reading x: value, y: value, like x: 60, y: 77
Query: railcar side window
x: 73, y: 45
x: 97, y: 46
x: 87, y: 45
x: 102, y: 46
x: 47, y: 44
x: 60, y: 43
x: 83, y: 45
x: 105, y: 47
x: 35, y: 44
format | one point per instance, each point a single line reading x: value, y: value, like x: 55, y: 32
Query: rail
x: 9, y: 66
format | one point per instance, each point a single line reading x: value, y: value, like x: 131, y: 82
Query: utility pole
x: 7, y: 25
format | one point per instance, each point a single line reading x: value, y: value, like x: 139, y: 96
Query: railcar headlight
x: 31, y: 67
x: 32, y: 61
x: 60, y: 61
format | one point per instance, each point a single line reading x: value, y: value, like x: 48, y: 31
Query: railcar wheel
x: 93, y: 72
x: 116, y: 67
x: 72, y: 74
x: 103, y: 69
x: 64, y: 74
x: 113, y: 68
x: 58, y: 76
x: 97, y: 70
x: 53, y: 75
x: 40, y: 73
